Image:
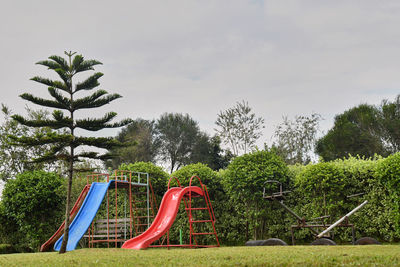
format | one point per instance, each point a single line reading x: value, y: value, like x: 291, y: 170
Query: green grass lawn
x: 385, y: 255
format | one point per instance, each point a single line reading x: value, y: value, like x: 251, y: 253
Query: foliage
x: 205, y: 173
x: 388, y: 172
x: 325, y: 184
x: 239, y: 128
x: 141, y: 131
x: 7, y: 249
x: 323, y: 189
x: 296, y: 138
x: 33, y: 202
x: 177, y: 135
x: 64, y: 100
x: 390, y: 122
x: 355, y: 132
x: 244, y: 181
x: 15, y: 159
x: 158, y: 177
x: 213, y: 183
x: 208, y: 151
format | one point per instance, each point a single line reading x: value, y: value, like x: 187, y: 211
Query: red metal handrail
x: 177, y: 180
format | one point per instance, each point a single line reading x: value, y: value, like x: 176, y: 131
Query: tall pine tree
x: 65, y: 102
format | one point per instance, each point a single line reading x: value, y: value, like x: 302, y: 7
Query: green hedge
x: 317, y: 189
x: 31, y: 208
x: 212, y: 181
x: 323, y: 189
x: 7, y: 249
x: 244, y: 180
x: 158, y: 177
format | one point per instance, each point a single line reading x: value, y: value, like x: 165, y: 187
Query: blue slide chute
x: 85, y: 215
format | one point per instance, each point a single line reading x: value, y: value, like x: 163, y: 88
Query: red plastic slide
x: 49, y: 243
x: 165, y: 217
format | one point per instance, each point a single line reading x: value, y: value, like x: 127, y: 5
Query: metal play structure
x: 126, y: 202
x: 120, y: 209
x: 137, y: 207
x: 322, y: 238
x: 199, y: 212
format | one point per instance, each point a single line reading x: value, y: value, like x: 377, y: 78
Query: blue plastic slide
x: 85, y: 215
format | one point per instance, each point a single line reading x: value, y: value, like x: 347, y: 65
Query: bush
x: 323, y: 189
x: 244, y: 181
x: 388, y: 173
x: 7, y: 249
x: 158, y: 177
x: 31, y: 205
x: 213, y: 183
x: 206, y: 174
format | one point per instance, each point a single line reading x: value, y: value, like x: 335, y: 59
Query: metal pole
x: 342, y: 219
x: 148, y: 199
x: 297, y: 216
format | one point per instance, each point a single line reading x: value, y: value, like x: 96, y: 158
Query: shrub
x: 244, y: 181
x: 206, y: 174
x: 158, y: 177
x: 215, y: 190
x: 388, y: 173
x: 33, y: 202
x: 7, y: 249
x: 323, y: 188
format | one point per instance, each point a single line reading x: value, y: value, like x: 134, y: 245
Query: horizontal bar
x: 196, y: 208
x: 98, y: 236
x: 112, y: 231
x: 201, y: 221
x: 112, y: 220
x: 203, y: 233
x: 319, y: 226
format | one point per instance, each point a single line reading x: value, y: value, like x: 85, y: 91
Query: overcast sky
x: 201, y: 57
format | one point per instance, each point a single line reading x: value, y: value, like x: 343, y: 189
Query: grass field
x: 387, y: 255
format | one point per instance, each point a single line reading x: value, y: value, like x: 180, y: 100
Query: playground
x: 125, y: 206
x: 132, y: 221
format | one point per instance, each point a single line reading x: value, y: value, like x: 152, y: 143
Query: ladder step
x: 201, y: 221
x: 196, y: 209
x: 140, y: 193
x: 203, y: 233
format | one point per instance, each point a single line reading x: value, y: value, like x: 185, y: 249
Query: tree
x: 144, y: 134
x: 355, y: 132
x: 14, y: 159
x: 296, y: 138
x: 68, y: 146
x: 177, y: 135
x: 390, y: 123
x: 208, y: 150
x: 239, y: 128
